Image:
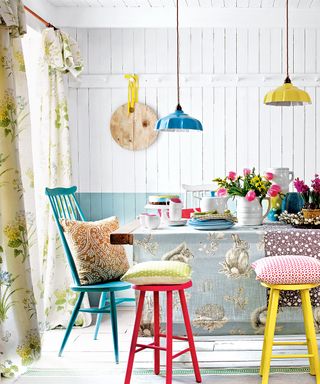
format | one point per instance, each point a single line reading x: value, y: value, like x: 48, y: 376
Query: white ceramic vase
x: 250, y: 212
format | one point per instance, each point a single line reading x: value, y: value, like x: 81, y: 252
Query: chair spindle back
x: 65, y: 206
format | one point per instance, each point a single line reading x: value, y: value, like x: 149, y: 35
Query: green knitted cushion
x: 158, y: 272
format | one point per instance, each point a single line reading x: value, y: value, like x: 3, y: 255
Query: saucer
x: 177, y: 223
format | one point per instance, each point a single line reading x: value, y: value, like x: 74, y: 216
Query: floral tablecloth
x: 225, y: 298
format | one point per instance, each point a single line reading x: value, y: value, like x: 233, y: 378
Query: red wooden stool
x: 156, y: 343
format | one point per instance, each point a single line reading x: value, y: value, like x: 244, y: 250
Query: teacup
x: 142, y: 219
x: 152, y: 221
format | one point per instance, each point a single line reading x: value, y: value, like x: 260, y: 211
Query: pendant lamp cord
x: 178, y: 58
x: 287, y: 80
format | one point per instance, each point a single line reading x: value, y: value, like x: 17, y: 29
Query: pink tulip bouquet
x: 249, y: 185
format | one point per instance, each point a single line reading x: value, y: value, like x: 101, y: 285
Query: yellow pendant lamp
x: 287, y: 94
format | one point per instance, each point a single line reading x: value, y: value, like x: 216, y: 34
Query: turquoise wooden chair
x: 65, y: 205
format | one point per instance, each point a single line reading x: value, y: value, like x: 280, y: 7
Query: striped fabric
x: 158, y: 272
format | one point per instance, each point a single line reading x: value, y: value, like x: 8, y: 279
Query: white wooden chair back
x: 194, y: 193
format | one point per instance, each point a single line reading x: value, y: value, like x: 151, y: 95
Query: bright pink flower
x: 305, y: 188
x: 221, y: 192
x: 268, y: 175
x: 251, y: 195
x: 246, y: 171
x: 300, y: 186
x: 274, y: 190
x: 232, y: 175
x: 315, y: 184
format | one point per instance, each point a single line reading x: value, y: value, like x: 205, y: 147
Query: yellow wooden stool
x: 311, y: 340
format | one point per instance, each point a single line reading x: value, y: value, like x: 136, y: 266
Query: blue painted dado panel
x: 126, y: 206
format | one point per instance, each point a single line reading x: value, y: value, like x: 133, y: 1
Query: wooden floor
x: 92, y: 361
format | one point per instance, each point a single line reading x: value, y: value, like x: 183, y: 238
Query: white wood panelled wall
x: 239, y: 131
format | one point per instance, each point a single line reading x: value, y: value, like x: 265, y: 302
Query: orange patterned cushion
x: 97, y: 261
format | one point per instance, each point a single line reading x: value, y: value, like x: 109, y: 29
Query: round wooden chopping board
x: 134, y: 131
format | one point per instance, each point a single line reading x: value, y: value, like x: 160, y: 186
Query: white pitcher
x: 250, y: 212
x: 175, y: 211
x: 283, y: 177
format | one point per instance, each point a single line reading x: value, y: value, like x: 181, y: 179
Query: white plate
x: 177, y: 223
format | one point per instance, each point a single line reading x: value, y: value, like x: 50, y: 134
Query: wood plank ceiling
x: 187, y: 3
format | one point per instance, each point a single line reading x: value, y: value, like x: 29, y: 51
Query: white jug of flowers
x: 250, y: 212
x: 249, y: 189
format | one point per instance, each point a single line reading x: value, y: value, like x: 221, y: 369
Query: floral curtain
x: 52, y: 168
x: 34, y: 275
x: 19, y: 334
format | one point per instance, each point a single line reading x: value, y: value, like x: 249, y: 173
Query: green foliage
x: 8, y: 115
x: 17, y: 252
x: 14, y: 243
x: 8, y: 369
x: 29, y: 303
x: 65, y: 298
x: 17, y: 235
x: 6, y: 302
x: 30, y: 350
x: 5, y: 123
x: 241, y: 185
x: 3, y: 159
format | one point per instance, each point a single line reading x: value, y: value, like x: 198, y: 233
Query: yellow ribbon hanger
x: 133, y: 88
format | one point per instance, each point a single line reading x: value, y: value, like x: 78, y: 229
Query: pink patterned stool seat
x: 137, y: 347
x: 287, y: 270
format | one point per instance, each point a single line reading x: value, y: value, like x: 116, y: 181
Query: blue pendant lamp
x: 178, y: 121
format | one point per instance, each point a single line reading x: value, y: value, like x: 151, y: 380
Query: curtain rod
x: 43, y: 21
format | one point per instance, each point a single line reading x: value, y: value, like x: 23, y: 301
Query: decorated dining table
x: 225, y: 298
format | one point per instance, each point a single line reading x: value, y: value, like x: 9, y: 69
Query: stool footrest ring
x: 141, y: 347
x: 174, y: 337
x: 303, y: 356
x: 151, y: 346
x: 290, y: 343
x: 181, y: 353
